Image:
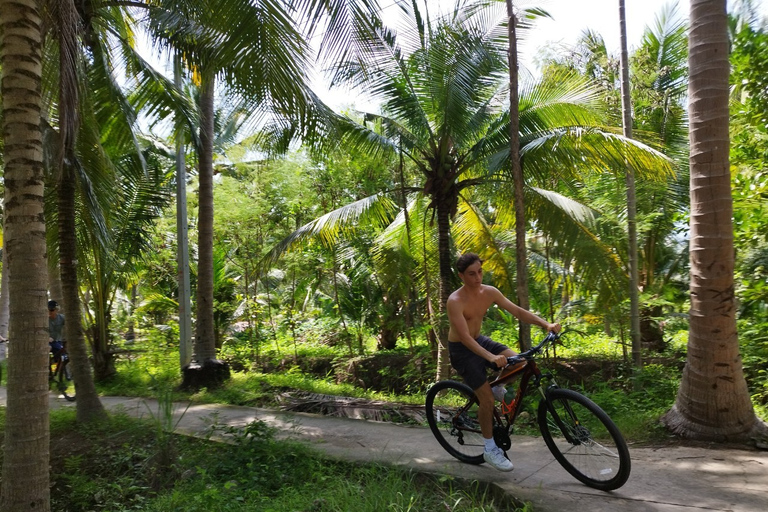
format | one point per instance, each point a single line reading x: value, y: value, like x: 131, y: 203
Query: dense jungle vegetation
x: 325, y: 267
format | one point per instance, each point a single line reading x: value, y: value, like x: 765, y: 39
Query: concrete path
x: 668, y: 479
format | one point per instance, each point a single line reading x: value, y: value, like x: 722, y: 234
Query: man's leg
x: 485, y: 410
x: 492, y: 454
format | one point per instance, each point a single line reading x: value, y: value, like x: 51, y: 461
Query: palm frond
x: 472, y: 232
x: 576, y: 235
x: 376, y: 210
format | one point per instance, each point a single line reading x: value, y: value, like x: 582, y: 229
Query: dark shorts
x: 472, y: 367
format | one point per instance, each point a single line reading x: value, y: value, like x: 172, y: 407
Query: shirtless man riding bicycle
x: 472, y: 353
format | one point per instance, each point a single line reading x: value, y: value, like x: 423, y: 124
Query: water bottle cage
x: 508, y: 408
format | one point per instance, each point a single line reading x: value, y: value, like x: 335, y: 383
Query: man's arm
x: 523, y: 314
x: 461, y: 330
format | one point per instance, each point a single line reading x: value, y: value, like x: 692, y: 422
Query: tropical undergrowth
x: 123, y: 464
x: 587, y: 360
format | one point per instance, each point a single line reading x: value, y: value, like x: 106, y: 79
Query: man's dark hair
x: 466, y: 260
x: 52, y: 305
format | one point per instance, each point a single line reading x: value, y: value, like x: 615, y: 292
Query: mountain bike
x: 59, y: 373
x: 581, y: 436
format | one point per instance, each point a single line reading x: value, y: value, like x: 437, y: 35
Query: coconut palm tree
x: 93, y: 153
x: 444, y: 88
x: 25, y: 478
x: 713, y: 402
x: 258, y: 52
x: 64, y: 35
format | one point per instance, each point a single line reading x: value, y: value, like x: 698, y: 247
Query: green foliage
x: 151, y: 365
x: 597, y: 345
x: 105, y: 467
x: 749, y: 154
x: 639, y: 401
x: 754, y: 351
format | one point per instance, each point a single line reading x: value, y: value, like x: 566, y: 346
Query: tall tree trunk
x: 713, y: 401
x: 54, y: 280
x: 89, y: 407
x: 409, y: 299
x: 634, y: 281
x: 205, y: 370
x: 25, y: 478
x: 347, y: 335
x: 205, y: 347
x: 182, y: 238
x: 521, y: 257
x: 103, y: 358
x: 446, y: 272
x: 434, y: 343
x: 4, y: 303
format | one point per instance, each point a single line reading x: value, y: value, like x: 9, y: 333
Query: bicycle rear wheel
x: 452, y: 416
x: 584, y: 440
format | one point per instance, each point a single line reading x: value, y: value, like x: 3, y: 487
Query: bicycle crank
x: 501, y: 436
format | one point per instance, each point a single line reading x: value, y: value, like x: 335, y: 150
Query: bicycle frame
x: 522, y: 367
x: 526, y: 370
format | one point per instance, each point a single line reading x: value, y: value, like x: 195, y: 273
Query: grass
x: 122, y: 465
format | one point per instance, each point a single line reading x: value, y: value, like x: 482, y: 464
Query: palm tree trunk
x: 521, y: 257
x: 434, y: 344
x: 182, y: 237
x: 205, y: 347
x: 25, y: 478
x: 4, y: 303
x: 89, y: 407
x: 205, y: 370
x: 713, y: 401
x: 446, y: 272
x: 626, y: 110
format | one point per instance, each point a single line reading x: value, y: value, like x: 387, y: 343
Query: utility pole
x: 182, y: 235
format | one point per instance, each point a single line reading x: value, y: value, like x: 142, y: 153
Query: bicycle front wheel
x: 584, y: 440
x: 452, y: 416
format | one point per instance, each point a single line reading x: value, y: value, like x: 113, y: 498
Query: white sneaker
x: 498, y: 460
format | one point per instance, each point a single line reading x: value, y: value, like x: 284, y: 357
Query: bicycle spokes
x: 584, y: 440
x: 451, y: 410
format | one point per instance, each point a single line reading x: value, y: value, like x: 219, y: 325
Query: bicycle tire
x: 451, y: 409
x: 62, y: 383
x: 584, y: 439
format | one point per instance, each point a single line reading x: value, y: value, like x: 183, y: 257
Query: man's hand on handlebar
x: 554, y: 328
x: 499, y: 360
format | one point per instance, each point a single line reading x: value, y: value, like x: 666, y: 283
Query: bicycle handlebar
x: 551, y: 337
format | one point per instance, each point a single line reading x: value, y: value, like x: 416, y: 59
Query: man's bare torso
x: 473, y: 306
